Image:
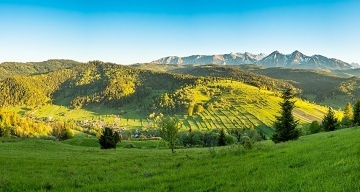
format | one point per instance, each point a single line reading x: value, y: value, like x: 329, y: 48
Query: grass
x: 245, y: 106
x: 236, y: 105
x: 320, y: 162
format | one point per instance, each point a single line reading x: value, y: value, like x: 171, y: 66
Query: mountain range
x: 295, y: 60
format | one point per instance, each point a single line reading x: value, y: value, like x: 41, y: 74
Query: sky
x: 138, y: 31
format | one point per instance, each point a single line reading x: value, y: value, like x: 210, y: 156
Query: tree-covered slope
x: 92, y: 83
x: 320, y: 86
x: 228, y: 72
x: 8, y: 69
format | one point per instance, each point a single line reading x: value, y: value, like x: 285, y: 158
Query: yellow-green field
x: 235, y: 105
x: 320, y: 162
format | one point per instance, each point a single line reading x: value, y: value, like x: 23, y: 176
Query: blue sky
x: 132, y: 31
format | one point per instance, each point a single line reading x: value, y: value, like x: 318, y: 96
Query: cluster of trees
x: 285, y: 124
x: 330, y: 122
x: 31, y: 90
x: 169, y: 130
x: 12, y: 124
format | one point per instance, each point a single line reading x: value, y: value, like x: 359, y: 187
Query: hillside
x: 319, y: 86
x: 8, y: 69
x: 319, y: 162
x: 92, y: 83
x: 296, y: 60
x: 132, y: 98
x: 326, y: 88
x: 226, y: 72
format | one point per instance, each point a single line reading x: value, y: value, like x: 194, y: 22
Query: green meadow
x: 320, y: 162
x: 234, y: 105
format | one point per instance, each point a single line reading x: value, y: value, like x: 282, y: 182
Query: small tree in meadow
x: 285, y: 124
x: 348, y: 116
x: 222, y: 137
x: 314, y: 127
x: 168, y: 129
x: 357, y: 113
x: 329, y: 121
x: 108, y: 138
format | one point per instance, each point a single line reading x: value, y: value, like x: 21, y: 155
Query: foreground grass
x: 320, y: 162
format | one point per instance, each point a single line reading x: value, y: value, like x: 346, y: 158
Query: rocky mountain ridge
x: 275, y: 59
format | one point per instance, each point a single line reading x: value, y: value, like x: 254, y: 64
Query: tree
x: 357, y: 112
x: 348, y: 116
x: 168, y: 129
x: 109, y: 138
x: 314, y: 127
x: 191, y: 109
x: 285, y: 124
x: 199, y: 108
x: 222, y: 137
x: 329, y: 121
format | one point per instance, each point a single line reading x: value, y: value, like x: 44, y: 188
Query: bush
x: 247, y: 142
x: 191, y: 139
x: 129, y: 145
x: 230, y: 139
x: 109, y: 139
x: 210, y: 139
x: 45, y: 137
x: 314, y: 127
x: 69, y: 134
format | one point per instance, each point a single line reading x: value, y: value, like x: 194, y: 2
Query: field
x: 238, y: 105
x: 235, y: 105
x: 321, y: 162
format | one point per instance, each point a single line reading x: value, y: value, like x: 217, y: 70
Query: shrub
x: 129, y: 145
x: 109, y: 139
x: 230, y: 139
x: 210, y: 139
x: 69, y: 133
x: 314, y: 127
x: 247, y: 142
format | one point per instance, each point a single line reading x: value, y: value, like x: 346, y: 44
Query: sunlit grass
x: 320, y: 162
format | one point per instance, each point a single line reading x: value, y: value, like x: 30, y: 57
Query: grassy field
x: 244, y: 106
x: 235, y: 105
x: 320, y: 162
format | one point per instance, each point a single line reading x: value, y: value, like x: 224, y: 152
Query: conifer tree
x: 357, y: 113
x: 109, y: 139
x: 329, y: 121
x: 222, y: 137
x: 285, y: 124
x: 348, y: 116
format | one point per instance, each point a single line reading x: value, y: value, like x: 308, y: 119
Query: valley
x: 72, y: 105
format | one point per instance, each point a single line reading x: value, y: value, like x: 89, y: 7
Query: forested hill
x: 315, y: 85
x: 92, y: 83
x: 320, y: 84
x: 228, y: 72
x: 8, y: 69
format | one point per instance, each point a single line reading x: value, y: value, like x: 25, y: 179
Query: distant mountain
x: 275, y: 59
x: 298, y: 60
x: 355, y: 65
x: 223, y: 59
